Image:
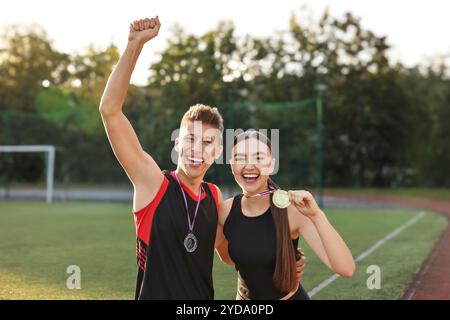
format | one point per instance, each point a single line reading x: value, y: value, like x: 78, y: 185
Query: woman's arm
x: 222, y: 247
x: 320, y: 235
x: 221, y: 243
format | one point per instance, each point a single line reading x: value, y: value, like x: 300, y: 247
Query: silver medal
x: 190, y: 242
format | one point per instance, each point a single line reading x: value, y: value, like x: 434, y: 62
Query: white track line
x: 369, y: 251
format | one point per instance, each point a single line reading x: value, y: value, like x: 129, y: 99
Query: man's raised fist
x: 143, y: 30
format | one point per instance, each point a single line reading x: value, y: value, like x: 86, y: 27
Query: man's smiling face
x: 198, y: 145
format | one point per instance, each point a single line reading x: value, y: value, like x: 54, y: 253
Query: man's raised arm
x: 140, y: 167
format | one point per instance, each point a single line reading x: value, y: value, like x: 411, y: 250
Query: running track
x: 432, y: 281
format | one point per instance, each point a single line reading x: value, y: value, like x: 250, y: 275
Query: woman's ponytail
x: 285, y: 274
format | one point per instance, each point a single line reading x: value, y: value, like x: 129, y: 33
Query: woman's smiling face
x: 251, y: 164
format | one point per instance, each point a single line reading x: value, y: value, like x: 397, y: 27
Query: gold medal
x: 281, y: 199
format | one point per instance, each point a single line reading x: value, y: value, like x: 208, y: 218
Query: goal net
x: 49, y: 162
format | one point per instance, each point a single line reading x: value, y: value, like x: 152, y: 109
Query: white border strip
x: 369, y: 251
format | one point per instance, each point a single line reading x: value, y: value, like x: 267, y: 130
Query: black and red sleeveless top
x: 165, y: 269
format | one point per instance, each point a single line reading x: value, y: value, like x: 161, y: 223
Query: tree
x: 28, y: 63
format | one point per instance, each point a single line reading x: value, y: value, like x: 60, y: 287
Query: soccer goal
x: 49, y: 163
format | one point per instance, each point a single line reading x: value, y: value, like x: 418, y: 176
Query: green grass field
x: 439, y: 194
x: 39, y: 241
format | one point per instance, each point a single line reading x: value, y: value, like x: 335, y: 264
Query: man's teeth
x: 195, y: 160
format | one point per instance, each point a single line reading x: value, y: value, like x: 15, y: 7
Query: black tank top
x: 165, y: 269
x: 252, y: 247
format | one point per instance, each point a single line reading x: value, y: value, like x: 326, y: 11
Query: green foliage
x: 385, y: 125
x: 27, y: 61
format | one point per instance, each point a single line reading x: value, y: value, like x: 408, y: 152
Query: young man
x: 176, y: 213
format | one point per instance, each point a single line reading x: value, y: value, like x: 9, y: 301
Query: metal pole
x: 7, y: 141
x: 51, y: 161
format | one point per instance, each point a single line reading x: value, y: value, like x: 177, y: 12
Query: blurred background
x: 385, y: 123
x: 359, y: 91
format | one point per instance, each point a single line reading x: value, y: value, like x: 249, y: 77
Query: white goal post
x: 50, y: 163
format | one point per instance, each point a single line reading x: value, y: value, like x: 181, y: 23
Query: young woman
x: 260, y: 239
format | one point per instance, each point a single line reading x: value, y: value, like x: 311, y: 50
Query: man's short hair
x: 205, y: 114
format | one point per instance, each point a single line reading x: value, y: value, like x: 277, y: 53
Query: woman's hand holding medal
x: 304, y: 202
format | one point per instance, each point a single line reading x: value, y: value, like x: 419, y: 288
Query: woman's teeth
x: 250, y: 177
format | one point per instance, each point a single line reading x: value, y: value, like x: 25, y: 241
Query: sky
x: 417, y: 29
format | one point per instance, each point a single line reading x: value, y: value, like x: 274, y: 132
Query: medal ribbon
x: 271, y: 190
x: 191, y: 224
